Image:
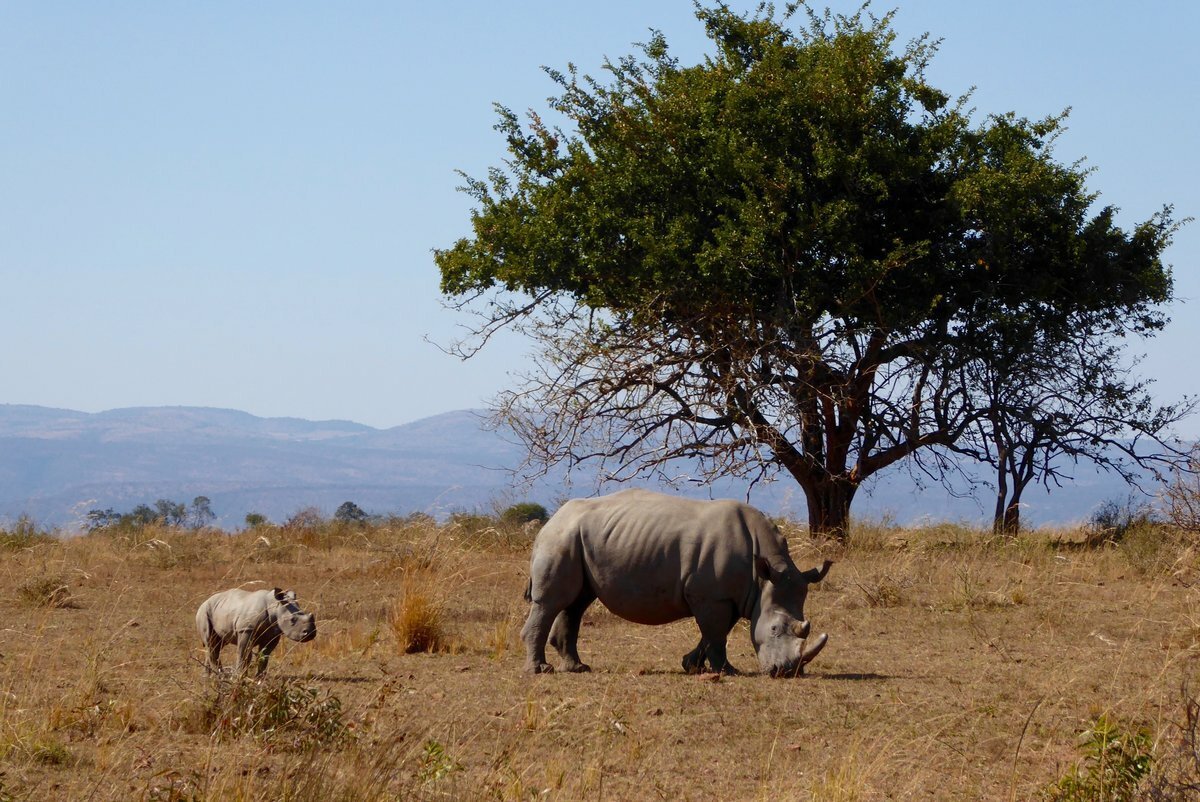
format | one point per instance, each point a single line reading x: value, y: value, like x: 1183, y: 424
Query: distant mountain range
x: 56, y: 464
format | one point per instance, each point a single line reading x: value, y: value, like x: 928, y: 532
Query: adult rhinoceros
x: 652, y: 559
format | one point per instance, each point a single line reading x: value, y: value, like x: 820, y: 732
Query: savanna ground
x: 958, y: 667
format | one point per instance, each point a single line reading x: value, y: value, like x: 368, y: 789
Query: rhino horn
x: 800, y: 629
x: 813, y: 649
x: 817, y: 574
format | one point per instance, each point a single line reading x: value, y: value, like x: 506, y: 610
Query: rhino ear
x: 765, y: 570
x: 762, y: 568
x: 281, y: 594
x: 817, y: 574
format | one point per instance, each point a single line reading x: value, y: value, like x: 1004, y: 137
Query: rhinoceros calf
x: 255, y: 620
x: 653, y: 559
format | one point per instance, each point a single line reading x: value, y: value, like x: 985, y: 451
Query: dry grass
x: 959, y: 667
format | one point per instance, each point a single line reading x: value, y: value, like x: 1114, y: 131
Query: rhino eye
x: 774, y: 629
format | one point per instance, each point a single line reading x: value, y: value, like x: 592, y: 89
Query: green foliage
x: 1114, y: 763
x: 785, y: 256
x: 519, y: 514
x: 255, y: 520
x: 140, y: 516
x: 349, y: 512
x: 102, y: 519
x: 201, y: 514
x: 164, y: 513
x: 436, y: 763
x: 170, y: 513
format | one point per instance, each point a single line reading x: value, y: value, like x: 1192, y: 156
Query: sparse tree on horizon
x: 349, y: 512
x: 201, y: 514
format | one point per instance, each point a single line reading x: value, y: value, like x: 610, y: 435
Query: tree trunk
x: 829, y: 507
x: 1012, y: 517
x: 1007, y: 521
x: 1000, y: 512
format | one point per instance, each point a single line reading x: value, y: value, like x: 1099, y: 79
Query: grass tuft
x: 47, y: 591
x: 417, y: 621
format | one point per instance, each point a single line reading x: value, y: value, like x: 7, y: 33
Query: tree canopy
x: 785, y: 257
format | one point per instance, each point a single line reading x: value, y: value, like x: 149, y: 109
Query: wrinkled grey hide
x: 653, y: 559
x: 255, y: 620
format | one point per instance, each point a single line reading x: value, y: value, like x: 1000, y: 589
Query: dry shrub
x: 1175, y: 775
x: 47, y: 591
x: 502, y: 637
x: 417, y: 621
x: 281, y: 712
x: 1180, y: 498
x: 883, y: 592
x: 1149, y: 548
x: 39, y: 748
x: 25, y: 534
x: 92, y: 716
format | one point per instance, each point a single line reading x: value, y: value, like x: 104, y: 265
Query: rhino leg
x: 556, y: 582
x: 213, y: 664
x: 245, y: 649
x: 264, y: 655
x: 716, y: 620
x: 693, y: 661
x: 535, y: 633
x: 564, y: 634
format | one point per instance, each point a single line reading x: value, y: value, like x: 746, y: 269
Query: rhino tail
x: 203, y: 623
x: 529, y: 590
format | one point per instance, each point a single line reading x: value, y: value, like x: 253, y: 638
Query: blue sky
x: 234, y: 204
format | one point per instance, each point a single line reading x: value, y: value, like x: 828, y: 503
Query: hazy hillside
x: 56, y: 464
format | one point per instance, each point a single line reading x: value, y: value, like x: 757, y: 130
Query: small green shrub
x: 436, y: 763
x: 1114, y: 763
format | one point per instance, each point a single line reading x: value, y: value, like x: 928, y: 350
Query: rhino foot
x: 577, y: 668
x: 539, y: 668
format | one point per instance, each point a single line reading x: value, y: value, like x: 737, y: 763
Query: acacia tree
x: 778, y: 259
x: 1050, y: 406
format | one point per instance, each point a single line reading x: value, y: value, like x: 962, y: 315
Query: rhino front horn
x: 813, y: 649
